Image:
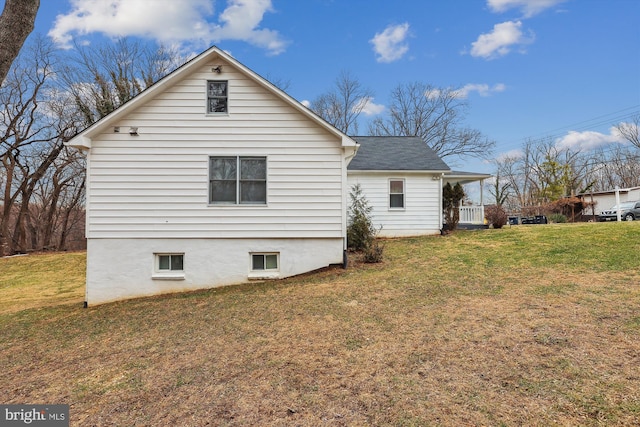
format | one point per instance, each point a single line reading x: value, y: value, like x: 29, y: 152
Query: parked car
x: 628, y: 212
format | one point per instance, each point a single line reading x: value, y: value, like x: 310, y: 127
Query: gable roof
x: 83, y: 139
x: 395, y: 153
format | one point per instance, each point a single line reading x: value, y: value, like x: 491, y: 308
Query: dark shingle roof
x: 397, y: 153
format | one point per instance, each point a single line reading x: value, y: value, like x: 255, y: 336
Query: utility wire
x: 610, y: 118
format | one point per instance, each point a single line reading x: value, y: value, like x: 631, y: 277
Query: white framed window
x: 238, y: 180
x: 263, y: 262
x: 264, y: 265
x: 217, y: 96
x: 396, y: 193
x: 168, y: 266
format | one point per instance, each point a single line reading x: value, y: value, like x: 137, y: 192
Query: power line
x: 609, y: 118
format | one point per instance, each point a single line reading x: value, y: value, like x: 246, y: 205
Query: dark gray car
x: 628, y: 212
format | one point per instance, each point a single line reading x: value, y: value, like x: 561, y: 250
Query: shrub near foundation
x: 361, y: 233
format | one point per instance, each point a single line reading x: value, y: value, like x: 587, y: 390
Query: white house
x: 401, y: 178
x: 603, y: 200
x: 213, y: 176
x: 210, y: 177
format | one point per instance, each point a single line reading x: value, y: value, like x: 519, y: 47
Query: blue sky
x: 565, y: 69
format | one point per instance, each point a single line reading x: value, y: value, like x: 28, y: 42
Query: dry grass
x: 41, y: 280
x: 528, y: 326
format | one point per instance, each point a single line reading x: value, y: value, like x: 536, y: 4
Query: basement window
x: 265, y: 265
x: 168, y: 266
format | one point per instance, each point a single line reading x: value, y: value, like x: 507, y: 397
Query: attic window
x: 217, y: 96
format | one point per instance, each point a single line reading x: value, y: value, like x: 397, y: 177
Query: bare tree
x: 279, y: 82
x: 630, y: 130
x: 558, y: 172
x: 101, y: 79
x: 500, y: 189
x: 543, y: 172
x: 343, y: 105
x: 16, y: 23
x: 35, y: 121
x: 436, y: 115
x: 23, y: 124
x: 511, y: 170
x: 616, y: 166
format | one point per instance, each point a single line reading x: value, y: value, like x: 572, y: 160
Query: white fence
x: 472, y: 214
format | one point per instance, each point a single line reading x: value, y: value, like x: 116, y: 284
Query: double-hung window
x: 217, y: 96
x: 238, y: 180
x: 396, y: 193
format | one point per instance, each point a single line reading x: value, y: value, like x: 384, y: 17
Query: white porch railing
x: 472, y: 214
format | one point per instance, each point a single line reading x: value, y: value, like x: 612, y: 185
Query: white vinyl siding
x: 421, y: 200
x: 157, y: 183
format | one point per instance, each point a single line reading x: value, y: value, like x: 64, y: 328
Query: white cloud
x: 516, y: 153
x: 368, y: 107
x: 528, y: 7
x: 589, y: 140
x: 433, y: 93
x: 168, y: 21
x: 240, y: 21
x: 482, y: 89
x: 390, y: 45
x: 500, y: 41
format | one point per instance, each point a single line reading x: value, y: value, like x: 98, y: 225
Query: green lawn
x: 529, y: 325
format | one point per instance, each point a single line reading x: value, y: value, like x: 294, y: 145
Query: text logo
x: 34, y: 415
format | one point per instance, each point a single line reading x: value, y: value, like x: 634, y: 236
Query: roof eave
x: 80, y: 141
x: 469, y: 175
x: 388, y: 171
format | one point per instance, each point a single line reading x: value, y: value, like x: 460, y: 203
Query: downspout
x: 87, y: 230
x: 440, y: 207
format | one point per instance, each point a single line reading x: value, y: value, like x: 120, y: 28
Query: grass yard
x: 529, y: 325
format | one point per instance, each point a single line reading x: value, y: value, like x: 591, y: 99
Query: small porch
x: 470, y: 215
